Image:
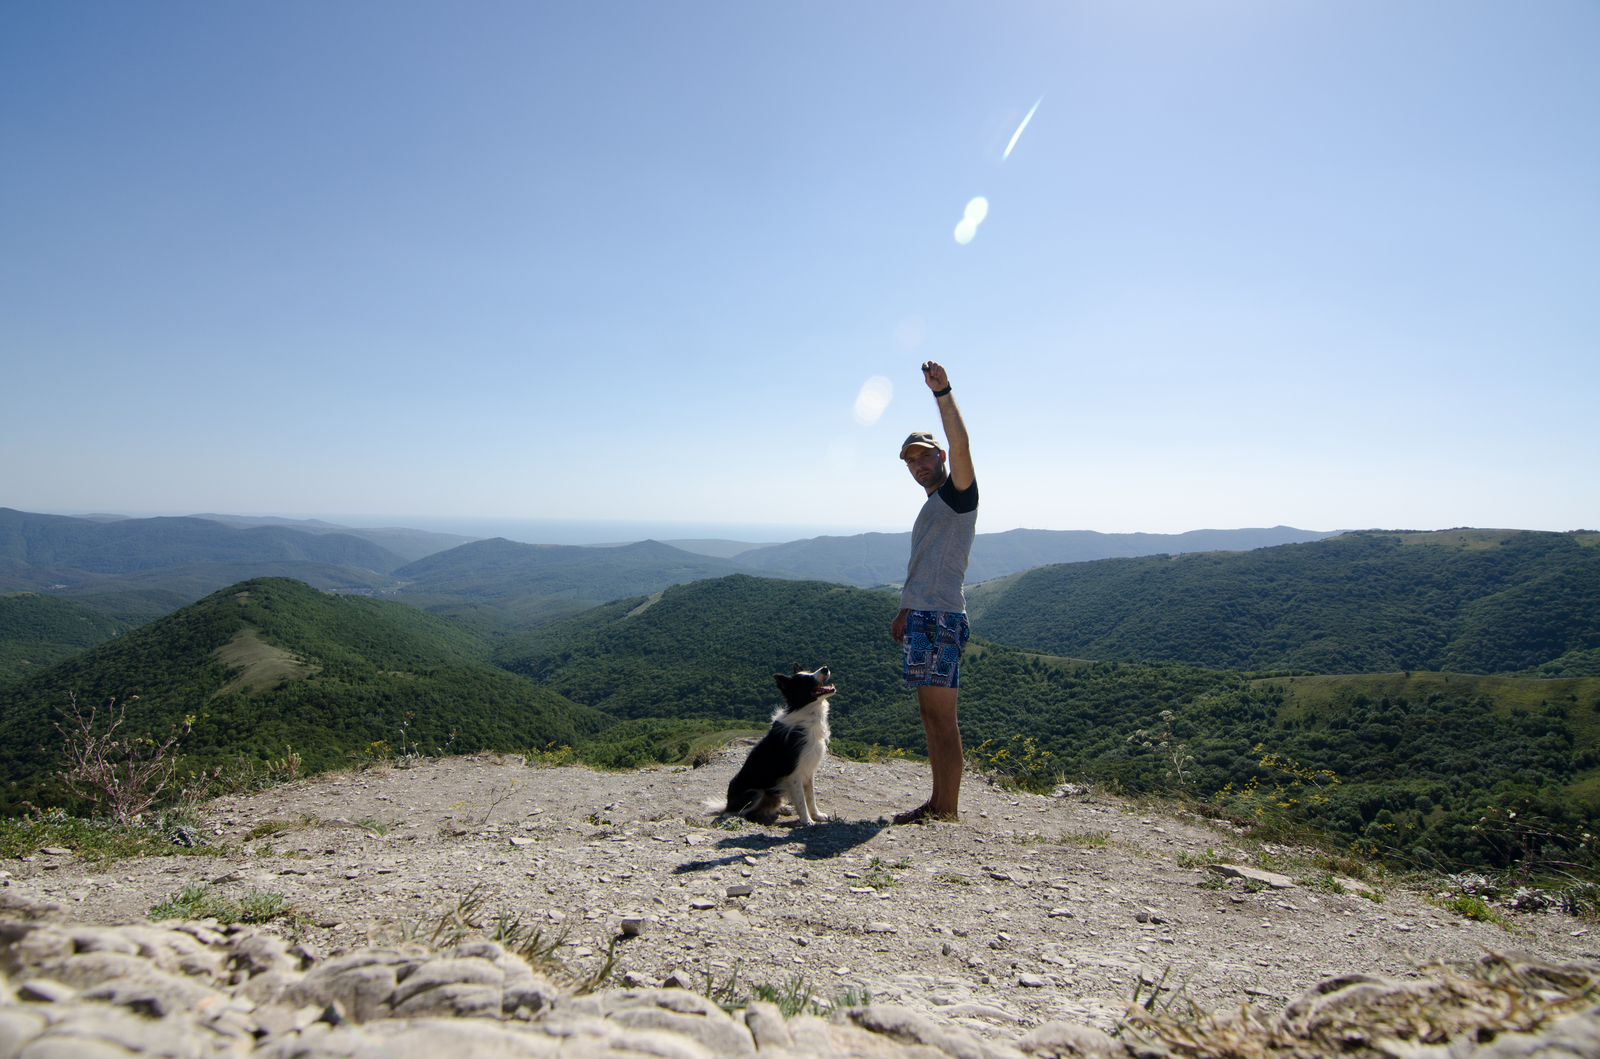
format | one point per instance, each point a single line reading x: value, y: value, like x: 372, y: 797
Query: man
x: 932, y: 623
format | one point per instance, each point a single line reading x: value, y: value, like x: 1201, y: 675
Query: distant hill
x: 409, y: 544
x: 880, y: 558
x: 44, y: 551
x: 271, y: 663
x: 1473, y: 601
x: 134, y: 569
x: 38, y: 631
x: 536, y: 582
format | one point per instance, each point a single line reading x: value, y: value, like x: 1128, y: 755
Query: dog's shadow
x: 817, y: 842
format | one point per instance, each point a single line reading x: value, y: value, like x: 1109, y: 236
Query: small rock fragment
x: 1237, y: 871
x: 45, y: 991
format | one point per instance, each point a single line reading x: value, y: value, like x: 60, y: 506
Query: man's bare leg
x: 938, y: 708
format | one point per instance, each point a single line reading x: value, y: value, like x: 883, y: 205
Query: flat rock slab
x: 1239, y: 871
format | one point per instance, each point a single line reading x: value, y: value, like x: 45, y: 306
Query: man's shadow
x: 815, y: 843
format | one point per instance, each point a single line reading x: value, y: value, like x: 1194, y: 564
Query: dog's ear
x: 781, y: 678
x: 797, y: 667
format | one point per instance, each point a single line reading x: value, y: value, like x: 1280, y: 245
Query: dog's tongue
x: 826, y: 689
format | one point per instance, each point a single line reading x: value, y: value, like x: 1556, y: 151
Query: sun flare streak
x: 1018, y: 134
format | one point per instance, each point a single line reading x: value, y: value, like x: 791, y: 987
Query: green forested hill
x: 38, y: 631
x: 272, y: 662
x: 709, y: 649
x: 1467, y: 601
x: 528, y: 584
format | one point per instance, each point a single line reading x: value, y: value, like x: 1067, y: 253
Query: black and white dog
x: 786, y: 759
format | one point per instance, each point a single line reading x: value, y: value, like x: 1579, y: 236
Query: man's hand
x: 897, y: 628
x: 955, y: 431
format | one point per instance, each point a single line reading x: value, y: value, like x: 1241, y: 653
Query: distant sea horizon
x: 549, y: 530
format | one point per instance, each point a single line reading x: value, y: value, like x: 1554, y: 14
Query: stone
x: 1061, y: 913
x: 55, y: 851
x: 633, y: 926
x: 744, y: 890
x: 362, y: 983
x: 18, y: 1026
x: 908, y: 1027
x: 681, y: 1012
x: 1570, y: 1038
x: 1068, y: 1040
x: 881, y: 928
x: 767, y: 1026
x: 460, y: 986
x: 979, y: 1011
x: 260, y: 953
x: 1238, y: 871
x: 45, y: 991
x: 99, y: 1032
x: 702, y: 904
x: 1032, y: 981
x: 1150, y: 915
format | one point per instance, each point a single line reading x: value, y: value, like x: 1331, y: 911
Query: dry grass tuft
x: 1360, y: 1017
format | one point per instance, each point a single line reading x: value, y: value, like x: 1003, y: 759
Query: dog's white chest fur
x: 811, y: 719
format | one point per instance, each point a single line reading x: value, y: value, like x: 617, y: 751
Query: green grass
x: 1085, y: 838
x: 202, y: 901
x: 1470, y: 906
x: 96, y: 840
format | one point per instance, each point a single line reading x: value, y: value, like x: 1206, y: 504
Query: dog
x: 785, y: 761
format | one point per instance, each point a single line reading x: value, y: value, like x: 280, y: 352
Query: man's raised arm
x: 955, y: 431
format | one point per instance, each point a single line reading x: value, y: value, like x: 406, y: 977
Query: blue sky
x: 1322, y: 264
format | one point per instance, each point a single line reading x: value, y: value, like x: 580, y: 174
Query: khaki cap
x: 918, y: 439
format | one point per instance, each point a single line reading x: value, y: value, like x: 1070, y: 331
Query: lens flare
x: 876, y: 393
x: 1018, y: 134
x: 973, y: 216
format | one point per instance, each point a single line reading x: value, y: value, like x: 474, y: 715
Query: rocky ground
x: 1031, y: 910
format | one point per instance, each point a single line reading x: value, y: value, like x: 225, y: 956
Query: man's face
x: 926, y: 466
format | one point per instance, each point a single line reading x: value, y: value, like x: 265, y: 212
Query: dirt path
x: 1028, y: 911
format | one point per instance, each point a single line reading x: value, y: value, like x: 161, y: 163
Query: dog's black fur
x: 786, y: 759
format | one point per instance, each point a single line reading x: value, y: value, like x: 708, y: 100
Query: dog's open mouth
x: 826, y: 689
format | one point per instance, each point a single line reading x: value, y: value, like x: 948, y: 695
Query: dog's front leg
x: 811, y: 800
x: 799, y: 795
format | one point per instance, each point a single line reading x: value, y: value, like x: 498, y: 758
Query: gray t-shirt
x: 941, y: 542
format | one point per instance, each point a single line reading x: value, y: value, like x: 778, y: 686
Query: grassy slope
x: 1472, y: 601
x: 360, y: 666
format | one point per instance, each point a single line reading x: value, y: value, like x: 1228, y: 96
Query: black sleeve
x: 960, y: 500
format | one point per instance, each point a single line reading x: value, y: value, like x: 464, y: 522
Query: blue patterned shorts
x: 933, y: 648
